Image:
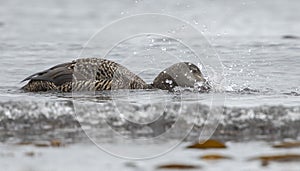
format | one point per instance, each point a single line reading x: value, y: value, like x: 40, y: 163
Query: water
x: 260, y: 79
x: 261, y: 68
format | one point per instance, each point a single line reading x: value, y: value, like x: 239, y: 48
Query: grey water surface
x: 256, y: 83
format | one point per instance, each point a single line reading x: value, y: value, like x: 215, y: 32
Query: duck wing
x: 58, y: 74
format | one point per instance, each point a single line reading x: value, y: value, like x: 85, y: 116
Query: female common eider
x: 95, y: 74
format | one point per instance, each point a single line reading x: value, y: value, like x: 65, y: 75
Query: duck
x: 98, y: 74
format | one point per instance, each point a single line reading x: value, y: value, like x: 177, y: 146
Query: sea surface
x: 247, y: 50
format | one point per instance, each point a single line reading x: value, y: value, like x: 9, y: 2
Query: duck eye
x: 193, y: 71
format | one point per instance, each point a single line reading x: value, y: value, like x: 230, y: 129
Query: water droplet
x: 172, y: 31
x: 199, y: 66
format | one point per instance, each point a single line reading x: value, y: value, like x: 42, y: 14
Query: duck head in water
x: 183, y: 74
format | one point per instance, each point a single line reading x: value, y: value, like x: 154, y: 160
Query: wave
x: 65, y: 118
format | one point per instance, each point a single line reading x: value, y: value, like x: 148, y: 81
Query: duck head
x: 183, y: 74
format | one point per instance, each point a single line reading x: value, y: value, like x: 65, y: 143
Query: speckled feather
x: 88, y: 74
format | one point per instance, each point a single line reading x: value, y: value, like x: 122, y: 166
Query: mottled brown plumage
x: 89, y: 74
x: 95, y: 74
